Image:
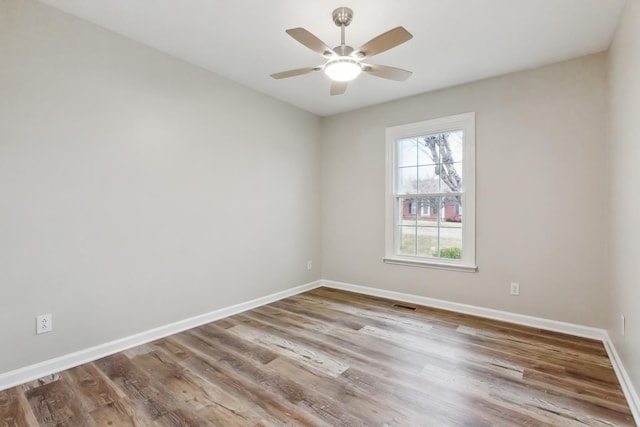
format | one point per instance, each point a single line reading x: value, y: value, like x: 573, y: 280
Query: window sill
x: 431, y: 264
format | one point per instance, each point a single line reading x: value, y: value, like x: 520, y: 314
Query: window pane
x: 407, y: 212
x: 428, y: 181
x: 450, y: 177
x: 427, y: 151
x: 450, y: 240
x: 407, y: 237
x: 440, y: 148
x: 407, y: 180
x: 407, y: 152
x: 427, y: 241
x: 428, y: 212
x: 454, y: 140
x: 450, y: 209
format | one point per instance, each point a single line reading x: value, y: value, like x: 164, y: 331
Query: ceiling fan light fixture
x: 343, y: 62
x: 343, y: 69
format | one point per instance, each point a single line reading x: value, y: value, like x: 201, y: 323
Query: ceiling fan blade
x: 296, y: 72
x: 383, y: 42
x: 386, y: 72
x: 338, y: 88
x: 312, y: 42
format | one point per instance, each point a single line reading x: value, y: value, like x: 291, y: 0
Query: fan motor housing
x: 343, y: 50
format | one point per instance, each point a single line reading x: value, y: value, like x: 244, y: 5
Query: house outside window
x: 426, y: 209
x: 430, y: 203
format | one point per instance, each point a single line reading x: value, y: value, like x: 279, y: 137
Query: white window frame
x: 466, y: 123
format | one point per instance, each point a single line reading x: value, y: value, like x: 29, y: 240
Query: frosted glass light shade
x: 343, y: 69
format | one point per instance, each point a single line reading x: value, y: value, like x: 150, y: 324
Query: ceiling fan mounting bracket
x: 342, y: 16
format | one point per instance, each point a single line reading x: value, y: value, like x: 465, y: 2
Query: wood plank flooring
x: 334, y: 358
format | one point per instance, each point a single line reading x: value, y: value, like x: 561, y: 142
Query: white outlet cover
x: 44, y: 323
x: 515, y: 288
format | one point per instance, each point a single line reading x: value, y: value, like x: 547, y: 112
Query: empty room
x: 350, y: 213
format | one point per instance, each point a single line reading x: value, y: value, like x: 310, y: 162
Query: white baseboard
x: 625, y: 382
x: 520, y: 319
x: 52, y: 366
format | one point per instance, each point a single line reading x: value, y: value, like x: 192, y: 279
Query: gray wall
x: 624, y: 79
x: 540, y: 197
x: 137, y: 190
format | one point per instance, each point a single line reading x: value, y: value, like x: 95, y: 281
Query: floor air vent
x: 405, y: 307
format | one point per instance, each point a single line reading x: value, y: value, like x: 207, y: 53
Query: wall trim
x: 520, y: 319
x: 67, y: 361
x: 488, y: 313
x: 623, y: 377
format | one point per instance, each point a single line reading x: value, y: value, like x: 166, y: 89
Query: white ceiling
x: 455, y: 41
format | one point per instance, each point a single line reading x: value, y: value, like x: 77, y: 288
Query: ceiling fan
x: 344, y: 63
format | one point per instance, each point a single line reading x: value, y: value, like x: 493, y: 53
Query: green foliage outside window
x: 451, y: 253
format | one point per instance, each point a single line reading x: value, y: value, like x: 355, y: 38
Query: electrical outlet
x: 44, y: 323
x: 624, y: 324
x: 515, y: 288
x: 309, y: 265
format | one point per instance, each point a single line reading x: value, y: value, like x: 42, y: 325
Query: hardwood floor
x: 329, y: 357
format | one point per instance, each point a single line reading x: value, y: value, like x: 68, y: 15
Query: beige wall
x: 624, y: 80
x: 541, y: 205
x: 137, y: 190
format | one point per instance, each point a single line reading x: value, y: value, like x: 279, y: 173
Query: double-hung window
x: 430, y: 203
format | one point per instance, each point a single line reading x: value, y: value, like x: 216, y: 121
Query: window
x: 430, y: 212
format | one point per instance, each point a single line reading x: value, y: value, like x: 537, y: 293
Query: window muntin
x: 430, y: 196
